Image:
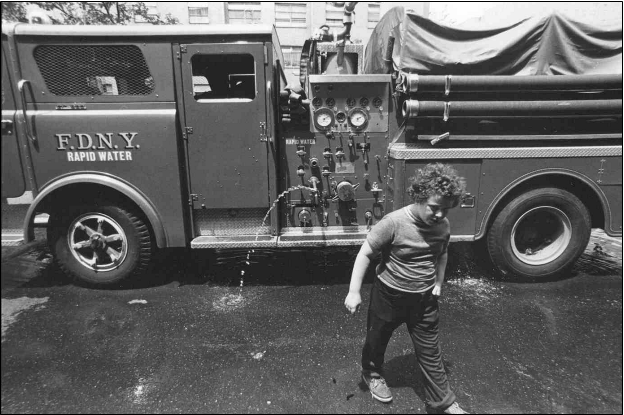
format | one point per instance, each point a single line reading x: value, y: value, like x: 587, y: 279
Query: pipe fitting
x: 410, y: 108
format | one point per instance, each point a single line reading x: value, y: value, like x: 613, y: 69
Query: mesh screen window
x: 94, y: 70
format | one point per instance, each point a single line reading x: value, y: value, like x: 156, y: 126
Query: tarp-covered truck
x: 125, y: 140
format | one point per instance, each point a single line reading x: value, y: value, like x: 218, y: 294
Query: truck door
x: 225, y: 110
x: 12, y: 175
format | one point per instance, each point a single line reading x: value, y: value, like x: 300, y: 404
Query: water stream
x: 251, y: 251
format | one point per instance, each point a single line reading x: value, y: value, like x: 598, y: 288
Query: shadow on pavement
x: 35, y: 267
x: 598, y: 264
x: 397, y: 377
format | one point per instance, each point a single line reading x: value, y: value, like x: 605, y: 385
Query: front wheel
x: 539, y: 234
x: 101, y: 245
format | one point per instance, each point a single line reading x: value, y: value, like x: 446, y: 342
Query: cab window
x: 73, y: 70
x: 224, y: 77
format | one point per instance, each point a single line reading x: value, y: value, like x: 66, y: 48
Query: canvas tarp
x: 541, y: 45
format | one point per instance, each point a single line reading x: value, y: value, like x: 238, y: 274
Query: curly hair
x: 436, y: 179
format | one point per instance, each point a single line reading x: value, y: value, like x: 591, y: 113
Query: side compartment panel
x: 463, y: 217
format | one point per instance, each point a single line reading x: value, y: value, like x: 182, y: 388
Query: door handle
x: 270, y: 121
x: 22, y: 86
x: 468, y: 201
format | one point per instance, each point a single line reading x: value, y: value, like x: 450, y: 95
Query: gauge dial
x: 364, y: 102
x: 330, y: 102
x: 323, y: 119
x: 341, y: 117
x: 358, y: 119
x: 377, y: 102
x: 350, y: 102
x: 317, y: 102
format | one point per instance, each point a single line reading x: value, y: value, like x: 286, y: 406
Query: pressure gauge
x: 377, y: 102
x: 350, y: 102
x: 317, y: 102
x: 364, y: 102
x: 323, y: 119
x: 330, y: 102
x: 358, y: 118
x: 341, y: 117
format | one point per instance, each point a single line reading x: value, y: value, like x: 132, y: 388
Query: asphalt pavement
x: 189, y: 338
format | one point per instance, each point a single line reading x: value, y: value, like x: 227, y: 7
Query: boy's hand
x: 352, y: 302
x: 437, y: 290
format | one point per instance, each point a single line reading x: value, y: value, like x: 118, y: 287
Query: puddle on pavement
x: 229, y: 302
x: 139, y: 393
x: 478, y: 290
x: 11, y: 308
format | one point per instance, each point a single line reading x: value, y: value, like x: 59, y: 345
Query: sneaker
x: 378, y: 388
x: 454, y: 409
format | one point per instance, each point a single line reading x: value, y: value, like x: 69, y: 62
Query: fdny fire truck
x: 125, y: 140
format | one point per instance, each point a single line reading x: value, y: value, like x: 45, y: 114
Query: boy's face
x: 434, y: 209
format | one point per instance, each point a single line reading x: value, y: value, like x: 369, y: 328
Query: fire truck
x: 123, y: 141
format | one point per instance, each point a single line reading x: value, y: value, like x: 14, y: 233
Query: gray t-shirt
x: 409, y: 250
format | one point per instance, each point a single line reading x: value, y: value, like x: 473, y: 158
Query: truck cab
x: 170, y: 127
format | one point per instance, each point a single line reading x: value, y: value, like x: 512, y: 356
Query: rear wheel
x: 539, y: 234
x: 101, y: 245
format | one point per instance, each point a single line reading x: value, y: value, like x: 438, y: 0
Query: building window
x: 152, y: 11
x: 219, y: 77
x: 152, y: 8
x: 198, y: 13
x: 243, y: 12
x: 333, y: 15
x: 374, y: 14
x: 290, y: 14
x: 292, y: 56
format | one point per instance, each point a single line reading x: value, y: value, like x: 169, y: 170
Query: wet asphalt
x: 189, y: 339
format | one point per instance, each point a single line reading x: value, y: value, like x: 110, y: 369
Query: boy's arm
x: 362, y: 261
x: 440, y: 270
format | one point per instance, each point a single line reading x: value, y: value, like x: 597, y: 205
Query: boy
x: 413, y: 244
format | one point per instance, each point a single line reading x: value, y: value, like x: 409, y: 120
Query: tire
x: 101, y: 245
x: 539, y: 234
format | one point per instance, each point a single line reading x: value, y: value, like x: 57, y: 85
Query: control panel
x: 339, y: 160
x: 349, y: 103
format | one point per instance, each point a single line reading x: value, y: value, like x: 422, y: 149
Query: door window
x: 224, y: 77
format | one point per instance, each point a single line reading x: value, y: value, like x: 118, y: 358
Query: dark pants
x: 389, y: 308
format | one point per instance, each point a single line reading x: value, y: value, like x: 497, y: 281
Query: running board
x: 295, y: 237
x: 12, y: 239
x: 13, y: 235
x: 291, y: 237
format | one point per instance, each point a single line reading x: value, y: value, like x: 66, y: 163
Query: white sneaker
x: 454, y: 409
x: 378, y: 387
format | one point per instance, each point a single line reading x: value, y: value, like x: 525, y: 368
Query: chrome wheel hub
x: 98, y: 242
